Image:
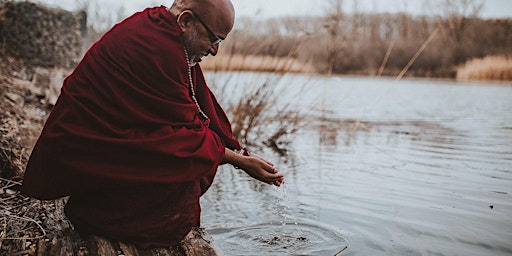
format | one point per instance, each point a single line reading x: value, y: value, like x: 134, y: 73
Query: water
x: 274, y: 239
x: 426, y: 171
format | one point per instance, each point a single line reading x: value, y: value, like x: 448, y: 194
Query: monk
x: 136, y: 135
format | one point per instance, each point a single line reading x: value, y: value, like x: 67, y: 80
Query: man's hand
x: 256, y: 167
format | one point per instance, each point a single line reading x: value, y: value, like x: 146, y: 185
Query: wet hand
x: 262, y: 170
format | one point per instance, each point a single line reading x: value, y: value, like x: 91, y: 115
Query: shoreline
x: 408, y: 78
x: 265, y: 63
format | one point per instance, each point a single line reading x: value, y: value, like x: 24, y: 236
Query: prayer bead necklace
x: 191, y: 88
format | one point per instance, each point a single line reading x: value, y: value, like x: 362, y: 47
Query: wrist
x: 241, y: 153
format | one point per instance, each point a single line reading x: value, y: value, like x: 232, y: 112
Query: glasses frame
x: 217, y: 40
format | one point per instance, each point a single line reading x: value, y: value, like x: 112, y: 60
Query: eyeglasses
x: 216, y: 40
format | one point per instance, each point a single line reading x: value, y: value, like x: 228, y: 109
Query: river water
x: 383, y: 167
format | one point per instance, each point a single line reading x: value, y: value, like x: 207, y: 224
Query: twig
x: 342, y: 250
x: 21, y: 155
x: 422, y: 48
x: 5, y: 229
x: 406, y: 68
x: 386, y: 58
x: 25, y: 219
x: 15, y: 182
x: 30, y: 251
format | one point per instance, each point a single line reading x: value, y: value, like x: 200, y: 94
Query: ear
x: 185, y: 20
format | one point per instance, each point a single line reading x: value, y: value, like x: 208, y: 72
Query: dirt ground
x: 24, y: 109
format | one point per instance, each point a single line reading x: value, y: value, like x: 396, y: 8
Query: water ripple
x: 277, y: 238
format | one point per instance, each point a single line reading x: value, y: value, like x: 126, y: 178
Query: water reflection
x: 416, y: 173
x: 278, y: 238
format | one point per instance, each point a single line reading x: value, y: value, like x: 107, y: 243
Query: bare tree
x: 333, y: 20
x: 457, y: 16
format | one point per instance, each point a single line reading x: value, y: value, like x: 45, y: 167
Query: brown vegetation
x: 373, y: 44
x: 257, y: 121
x: 487, y: 68
x: 359, y: 43
x: 258, y: 63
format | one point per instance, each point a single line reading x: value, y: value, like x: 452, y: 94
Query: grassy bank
x: 487, y: 68
x: 265, y: 63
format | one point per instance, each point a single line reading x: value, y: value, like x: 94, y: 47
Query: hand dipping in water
x: 256, y: 166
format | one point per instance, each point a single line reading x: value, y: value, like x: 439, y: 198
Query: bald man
x: 136, y: 135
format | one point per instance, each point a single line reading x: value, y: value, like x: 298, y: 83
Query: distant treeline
x: 358, y: 43
x: 374, y: 44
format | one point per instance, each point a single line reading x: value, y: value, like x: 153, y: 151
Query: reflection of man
x: 136, y: 135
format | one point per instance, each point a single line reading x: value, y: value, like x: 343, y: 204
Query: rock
x: 39, y: 35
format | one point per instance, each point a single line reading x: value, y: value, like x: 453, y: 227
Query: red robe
x: 125, y: 140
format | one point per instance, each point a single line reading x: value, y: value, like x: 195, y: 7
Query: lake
x: 382, y: 167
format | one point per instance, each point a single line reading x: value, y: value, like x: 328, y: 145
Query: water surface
x: 382, y: 167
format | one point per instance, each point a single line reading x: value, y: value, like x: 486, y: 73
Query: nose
x: 214, y: 49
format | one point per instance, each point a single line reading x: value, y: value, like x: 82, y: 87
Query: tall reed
x: 258, y: 117
x: 487, y: 68
x: 266, y: 63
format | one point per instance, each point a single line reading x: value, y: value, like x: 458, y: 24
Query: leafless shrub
x: 259, y: 119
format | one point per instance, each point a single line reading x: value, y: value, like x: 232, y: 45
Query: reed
x: 258, y: 120
x: 263, y: 63
x: 487, y: 68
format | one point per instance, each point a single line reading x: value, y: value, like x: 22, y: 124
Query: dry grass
x: 257, y: 120
x: 256, y: 63
x: 487, y: 68
x: 254, y: 120
x: 21, y: 120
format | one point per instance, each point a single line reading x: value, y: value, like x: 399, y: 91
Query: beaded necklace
x: 191, y: 88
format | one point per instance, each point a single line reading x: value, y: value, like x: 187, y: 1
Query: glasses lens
x: 214, y: 40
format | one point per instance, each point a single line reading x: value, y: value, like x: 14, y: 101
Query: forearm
x: 232, y: 158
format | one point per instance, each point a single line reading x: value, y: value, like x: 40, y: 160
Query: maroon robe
x: 125, y: 140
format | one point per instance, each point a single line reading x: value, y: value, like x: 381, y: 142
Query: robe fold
x: 125, y: 140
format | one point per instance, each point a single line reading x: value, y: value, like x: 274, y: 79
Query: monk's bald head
x: 218, y: 14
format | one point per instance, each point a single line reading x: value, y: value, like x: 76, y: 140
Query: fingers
x: 276, y: 183
x: 275, y: 179
x: 263, y: 170
x: 261, y: 158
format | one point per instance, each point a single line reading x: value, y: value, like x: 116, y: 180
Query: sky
x: 279, y: 8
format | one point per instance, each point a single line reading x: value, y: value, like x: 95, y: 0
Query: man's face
x: 200, y: 42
